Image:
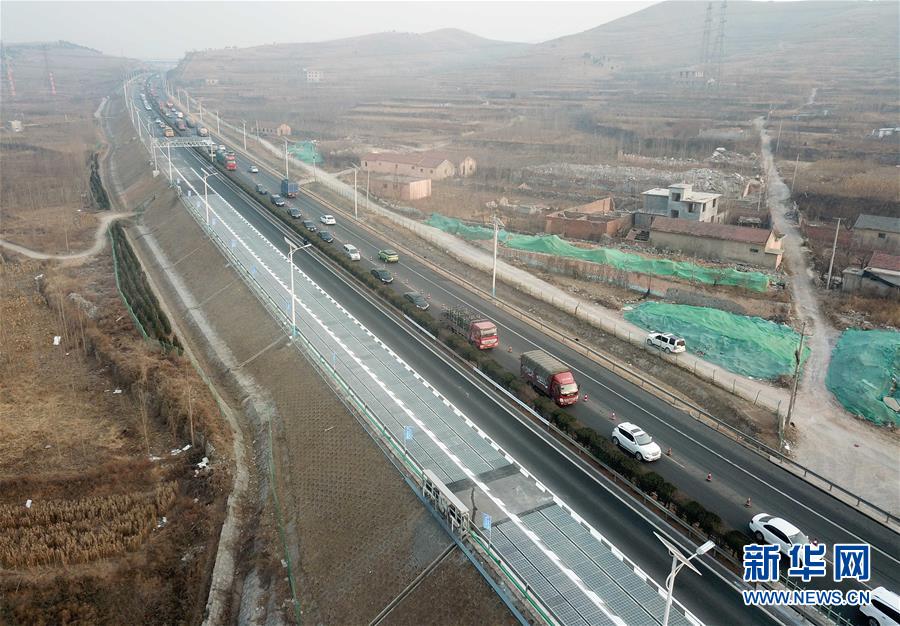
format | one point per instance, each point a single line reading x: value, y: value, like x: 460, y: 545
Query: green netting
x: 551, y: 244
x: 306, y: 151
x: 458, y: 228
x: 750, y: 346
x: 865, y: 367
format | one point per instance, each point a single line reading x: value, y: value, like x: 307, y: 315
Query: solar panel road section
x: 580, y: 576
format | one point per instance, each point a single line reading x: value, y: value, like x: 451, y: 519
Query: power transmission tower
x: 704, y: 42
x: 719, y: 52
x: 49, y: 73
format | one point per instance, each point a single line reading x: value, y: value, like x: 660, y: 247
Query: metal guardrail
x: 750, y: 442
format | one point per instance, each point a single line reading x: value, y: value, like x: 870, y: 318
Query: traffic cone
x: 669, y: 452
x: 709, y: 477
x: 509, y: 349
x: 585, y: 397
x: 612, y: 416
x: 747, y: 503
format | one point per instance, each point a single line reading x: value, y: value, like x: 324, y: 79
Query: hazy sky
x: 167, y: 29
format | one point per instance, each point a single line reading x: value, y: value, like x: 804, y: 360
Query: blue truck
x: 289, y: 189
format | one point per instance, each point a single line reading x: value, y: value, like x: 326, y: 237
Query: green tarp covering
x: 551, y: 244
x: 864, y: 369
x: 750, y: 346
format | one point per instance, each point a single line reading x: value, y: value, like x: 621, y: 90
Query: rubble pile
x: 632, y: 179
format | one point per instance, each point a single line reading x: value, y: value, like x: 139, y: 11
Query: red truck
x: 549, y: 376
x: 479, y: 331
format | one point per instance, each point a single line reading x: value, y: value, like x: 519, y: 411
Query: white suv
x: 636, y: 442
x: 776, y: 531
x: 351, y: 252
x: 666, y: 341
x: 884, y: 610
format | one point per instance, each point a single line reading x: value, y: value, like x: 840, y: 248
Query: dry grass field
x: 47, y: 200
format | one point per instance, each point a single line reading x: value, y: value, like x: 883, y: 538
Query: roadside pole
x: 786, y: 420
x: 244, y: 122
x: 355, y: 199
x: 833, y: 250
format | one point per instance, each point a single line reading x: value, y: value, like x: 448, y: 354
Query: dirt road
x: 99, y: 242
x: 829, y: 436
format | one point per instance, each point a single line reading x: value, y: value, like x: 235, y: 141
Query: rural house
x: 875, y: 232
x: 401, y: 187
x: 432, y: 164
x: 880, y: 276
x: 588, y: 221
x: 682, y: 202
x: 719, y: 242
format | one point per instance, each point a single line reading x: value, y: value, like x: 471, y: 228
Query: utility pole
x: 833, y: 250
x: 368, y: 206
x: 244, y: 122
x: 777, y: 142
x: 355, y: 199
x: 794, y: 178
x: 783, y: 422
x: 200, y: 103
x: 494, y: 271
x: 169, y: 156
x: 218, y: 130
x: 286, y: 176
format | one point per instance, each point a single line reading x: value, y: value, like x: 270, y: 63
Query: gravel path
x: 851, y: 452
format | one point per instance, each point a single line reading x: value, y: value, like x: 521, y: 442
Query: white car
x: 254, y: 169
x: 327, y: 219
x: 776, y: 531
x: 666, y: 341
x: 636, y: 442
x: 351, y: 252
x: 884, y: 610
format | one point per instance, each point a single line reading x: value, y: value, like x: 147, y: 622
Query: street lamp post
x: 292, y: 247
x: 494, y: 270
x: 286, y: 174
x: 206, y: 193
x: 679, y: 560
x: 355, y: 199
x: 244, y: 122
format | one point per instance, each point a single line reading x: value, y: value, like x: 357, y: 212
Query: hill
x: 817, y: 39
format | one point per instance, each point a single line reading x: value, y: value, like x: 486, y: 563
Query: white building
x: 314, y: 76
x: 681, y: 201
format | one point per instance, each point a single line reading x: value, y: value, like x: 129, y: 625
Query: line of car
x: 765, y: 528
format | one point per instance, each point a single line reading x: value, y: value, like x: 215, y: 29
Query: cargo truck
x: 202, y: 132
x: 549, y: 376
x: 289, y: 189
x: 180, y: 125
x: 169, y: 132
x: 478, y: 330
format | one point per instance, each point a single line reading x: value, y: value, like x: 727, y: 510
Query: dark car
x: 384, y: 276
x: 417, y: 299
x: 310, y: 226
x: 326, y: 236
x: 261, y: 189
x: 278, y: 200
x: 295, y: 213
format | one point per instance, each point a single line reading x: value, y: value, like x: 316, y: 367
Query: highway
x: 738, y: 473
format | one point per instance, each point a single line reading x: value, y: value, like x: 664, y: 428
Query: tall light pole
x: 286, y: 174
x: 291, y: 249
x: 494, y: 270
x: 679, y: 560
x: 218, y: 131
x: 245, y: 134
x: 355, y: 199
x: 368, y: 206
x: 206, y: 193
x: 169, y: 157
x: 833, y: 250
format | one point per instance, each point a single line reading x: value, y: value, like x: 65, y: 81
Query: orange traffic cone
x: 612, y: 416
x: 709, y: 477
x: 509, y: 349
x: 669, y: 452
x: 747, y: 503
x: 585, y: 397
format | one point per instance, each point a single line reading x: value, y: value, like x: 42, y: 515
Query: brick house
x: 431, y: 164
x: 718, y: 242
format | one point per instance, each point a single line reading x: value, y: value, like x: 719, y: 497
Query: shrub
x: 736, y: 540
